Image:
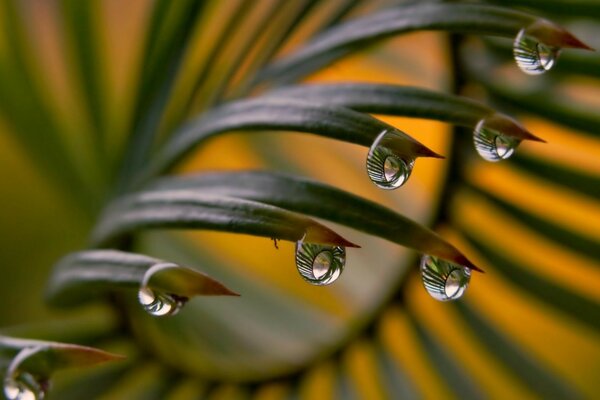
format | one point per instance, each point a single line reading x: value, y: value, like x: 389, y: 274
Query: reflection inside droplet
x: 492, y: 144
x: 444, y: 280
x: 320, y: 264
x: 387, y: 168
x: 24, y: 386
x: 533, y: 57
x: 160, y: 304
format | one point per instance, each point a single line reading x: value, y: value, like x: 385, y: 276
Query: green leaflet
x: 195, y: 210
x: 348, y: 37
x: 319, y: 200
x: 80, y: 276
x: 388, y: 99
x: 50, y: 356
x: 404, y: 101
x: 277, y: 114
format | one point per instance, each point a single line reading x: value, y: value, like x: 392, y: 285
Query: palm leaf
x: 374, y: 334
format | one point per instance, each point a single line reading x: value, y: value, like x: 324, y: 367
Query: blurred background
x: 73, y: 79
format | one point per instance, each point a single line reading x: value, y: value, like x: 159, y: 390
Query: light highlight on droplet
x: 160, y: 304
x: 492, y: 144
x: 444, y: 280
x: 532, y: 56
x: 320, y: 264
x: 24, y: 386
x: 387, y: 168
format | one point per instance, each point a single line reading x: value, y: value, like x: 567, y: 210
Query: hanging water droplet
x: 444, y: 280
x: 160, y: 304
x: 386, y: 168
x: 532, y: 56
x: 491, y: 144
x: 320, y: 264
x: 24, y: 386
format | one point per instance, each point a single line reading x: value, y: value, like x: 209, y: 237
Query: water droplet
x: 160, y: 304
x: 444, y: 280
x: 386, y: 168
x: 491, y: 144
x: 24, y: 386
x: 532, y: 56
x: 320, y: 264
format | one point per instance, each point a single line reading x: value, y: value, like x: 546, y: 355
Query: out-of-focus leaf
x: 571, y: 178
x: 320, y: 200
x: 560, y: 235
x: 576, y: 306
x: 462, y: 384
x: 288, y: 24
x: 80, y: 25
x: 196, y: 210
x: 279, y: 114
x: 524, y: 366
x: 83, y: 275
x: 350, y: 36
x: 20, y: 97
x: 169, y: 32
x: 50, y: 356
x: 542, y: 102
x: 148, y: 381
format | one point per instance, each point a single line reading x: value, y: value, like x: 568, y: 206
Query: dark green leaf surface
x: 405, y: 101
x: 313, y: 198
x: 279, y: 114
x: 81, y: 276
x: 192, y: 209
x: 574, y: 8
x: 391, y: 100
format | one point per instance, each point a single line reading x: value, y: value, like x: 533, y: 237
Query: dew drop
x: 24, y: 386
x: 386, y: 168
x: 532, y: 56
x: 320, y: 264
x: 491, y: 144
x: 444, y: 280
x: 160, y: 304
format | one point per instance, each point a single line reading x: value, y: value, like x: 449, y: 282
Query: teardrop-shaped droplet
x: 320, y: 264
x: 24, y: 386
x: 160, y: 304
x: 532, y: 56
x: 444, y: 280
x: 491, y: 144
x: 386, y: 168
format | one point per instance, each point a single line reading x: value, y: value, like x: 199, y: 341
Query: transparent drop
x: 491, y: 144
x: 533, y: 57
x: 24, y: 386
x: 386, y: 168
x: 160, y: 304
x: 320, y: 264
x: 444, y: 280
